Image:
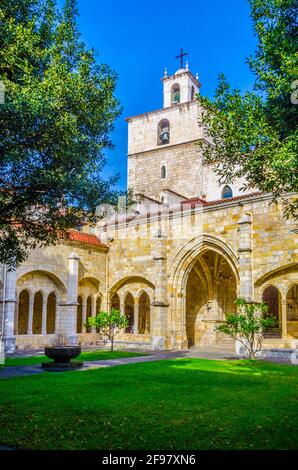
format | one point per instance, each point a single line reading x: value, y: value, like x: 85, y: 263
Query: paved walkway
x: 21, y: 371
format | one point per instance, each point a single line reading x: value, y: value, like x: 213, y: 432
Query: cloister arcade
x: 279, y: 290
x: 204, y: 290
x: 39, y: 294
x: 134, y: 297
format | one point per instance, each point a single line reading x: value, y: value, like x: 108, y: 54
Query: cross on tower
x: 180, y: 56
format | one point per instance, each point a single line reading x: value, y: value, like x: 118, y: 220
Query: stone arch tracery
x: 191, y: 259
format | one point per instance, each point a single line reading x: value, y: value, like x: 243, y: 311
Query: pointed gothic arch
x: 37, y: 313
x: 88, y: 311
x: 51, y: 313
x: 144, y: 313
x: 129, y: 304
x: 23, y: 312
x: 226, y: 192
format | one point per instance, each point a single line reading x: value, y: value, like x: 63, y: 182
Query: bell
x: 165, y: 136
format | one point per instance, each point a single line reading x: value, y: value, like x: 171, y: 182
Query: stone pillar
x: 105, y: 302
x: 284, y: 319
x: 179, y: 337
x: 44, y: 317
x: 136, y: 318
x: 9, y: 312
x: 69, y: 323
x: 30, y: 316
x: 245, y: 257
x: 122, y: 310
x: 159, y: 327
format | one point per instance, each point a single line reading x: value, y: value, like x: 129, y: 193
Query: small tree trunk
x: 112, y: 343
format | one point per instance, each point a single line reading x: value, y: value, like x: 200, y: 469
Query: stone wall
x: 156, y: 256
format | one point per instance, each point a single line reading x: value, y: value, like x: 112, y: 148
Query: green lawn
x: 174, y: 404
x: 85, y: 356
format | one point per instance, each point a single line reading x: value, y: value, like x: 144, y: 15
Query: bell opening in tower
x: 163, y: 136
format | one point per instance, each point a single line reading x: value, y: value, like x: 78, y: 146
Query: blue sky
x: 138, y: 39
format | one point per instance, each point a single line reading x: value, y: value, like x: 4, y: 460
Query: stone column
x: 284, y: 319
x: 69, y: 323
x: 245, y: 257
x: 136, y: 318
x: 179, y: 337
x: 105, y: 302
x: 44, y: 317
x: 159, y: 328
x: 9, y: 312
x: 30, y: 316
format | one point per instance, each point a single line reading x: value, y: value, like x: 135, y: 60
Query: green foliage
x: 108, y: 324
x: 254, y: 134
x: 248, y: 325
x: 55, y: 123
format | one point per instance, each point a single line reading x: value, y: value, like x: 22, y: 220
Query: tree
x: 55, y: 122
x: 248, y: 325
x: 254, y: 135
x: 108, y: 324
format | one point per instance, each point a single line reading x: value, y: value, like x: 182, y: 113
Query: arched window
x: 115, y: 302
x: 129, y: 312
x: 163, y: 172
x: 144, y: 314
x: 23, y: 313
x: 175, y: 94
x: 88, y: 311
x: 271, y: 297
x: 98, y: 306
x: 226, y: 192
x: 163, y: 132
x: 292, y: 304
x: 51, y: 313
x: 37, y: 313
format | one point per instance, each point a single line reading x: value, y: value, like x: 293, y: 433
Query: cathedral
x: 174, y: 263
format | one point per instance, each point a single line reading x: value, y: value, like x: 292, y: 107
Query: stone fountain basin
x: 62, y: 356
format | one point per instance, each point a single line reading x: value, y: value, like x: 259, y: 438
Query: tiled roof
x: 203, y: 202
x: 85, y: 238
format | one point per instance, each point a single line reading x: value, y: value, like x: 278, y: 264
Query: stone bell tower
x: 164, y: 163
x: 182, y: 87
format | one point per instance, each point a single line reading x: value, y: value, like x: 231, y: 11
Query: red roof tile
x: 85, y: 238
x: 203, y: 202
